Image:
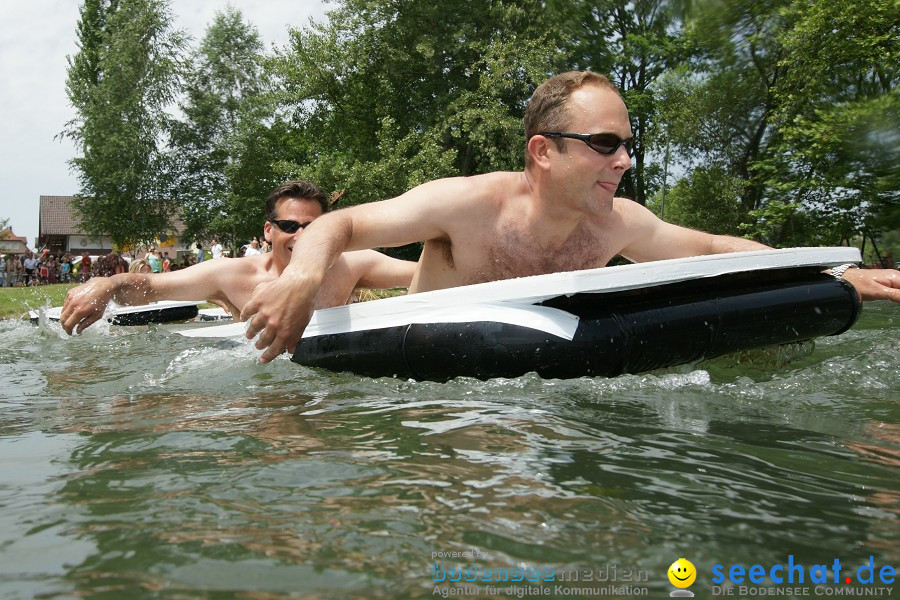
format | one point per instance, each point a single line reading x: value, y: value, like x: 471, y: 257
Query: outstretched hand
x: 875, y: 284
x: 86, y: 304
x: 279, y: 311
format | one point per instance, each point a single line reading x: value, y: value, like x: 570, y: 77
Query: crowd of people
x: 46, y: 268
x: 42, y: 269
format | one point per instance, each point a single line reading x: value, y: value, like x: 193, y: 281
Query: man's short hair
x: 296, y: 190
x: 547, y: 108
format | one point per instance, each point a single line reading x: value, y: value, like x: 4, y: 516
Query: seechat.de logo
x: 682, y: 574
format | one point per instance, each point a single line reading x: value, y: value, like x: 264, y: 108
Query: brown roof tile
x: 8, y: 235
x: 57, y: 217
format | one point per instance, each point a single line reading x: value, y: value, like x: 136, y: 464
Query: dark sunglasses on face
x: 288, y: 226
x: 604, y: 143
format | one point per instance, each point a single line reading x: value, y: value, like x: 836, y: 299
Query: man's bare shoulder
x: 478, y: 188
x: 498, y: 184
x: 628, y: 206
x: 629, y: 214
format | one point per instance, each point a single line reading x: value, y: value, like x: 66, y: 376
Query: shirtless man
x: 560, y: 214
x: 228, y: 283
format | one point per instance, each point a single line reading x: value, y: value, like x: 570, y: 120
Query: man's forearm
x: 131, y: 289
x: 320, y: 246
x: 723, y: 244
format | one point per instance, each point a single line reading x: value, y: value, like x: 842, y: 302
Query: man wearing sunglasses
x: 559, y: 214
x: 229, y: 283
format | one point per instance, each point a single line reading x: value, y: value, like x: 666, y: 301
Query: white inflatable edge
x: 510, y: 301
x: 113, y: 309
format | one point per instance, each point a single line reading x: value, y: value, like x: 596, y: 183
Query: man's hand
x: 86, y: 304
x: 875, y: 284
x: 281, y: 310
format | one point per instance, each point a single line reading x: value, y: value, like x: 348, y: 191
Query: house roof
x: 57, y: 217
x: 7, y: 235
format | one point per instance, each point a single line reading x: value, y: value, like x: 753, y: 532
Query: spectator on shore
x: 65, y: 268
x: 252, y: 249
x: 29, y: 265
x: 14, y: 271
x: 140, y: 266
x: 152, y: 259
x: 109, y: 265
x: 86, y: 269
x: 52, y: 269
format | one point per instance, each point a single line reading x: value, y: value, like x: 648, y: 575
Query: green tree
x: 403, y: 92
x: 839, y: 115
x: 222, y: 145
x: 120, y: 82
x: 798, y: 100
x: 717, y: 108
x: 708, y: 199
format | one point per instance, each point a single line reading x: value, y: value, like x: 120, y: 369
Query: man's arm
x: 280, y: 310
x: 653, y: 239
x: 650, y: 238
x: 377, y: 271
x: 86, y: 303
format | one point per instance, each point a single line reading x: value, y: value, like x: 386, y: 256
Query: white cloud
x: 35, y: 39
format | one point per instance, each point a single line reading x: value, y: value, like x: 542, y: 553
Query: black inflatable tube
x: 164, y: 315
x: 627, y: 332
x: 168, y: 314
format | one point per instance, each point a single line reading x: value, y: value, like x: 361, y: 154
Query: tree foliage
x: 780, y: 117
x: 838, y: 109
x: 708, y: 199
x: 397, y: 93
x: 224, y: 158
x: 120, y: 82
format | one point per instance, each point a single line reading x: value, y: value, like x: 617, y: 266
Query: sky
x: 35, y: 39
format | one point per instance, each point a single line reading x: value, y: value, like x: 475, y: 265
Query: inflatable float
x: 597, y: 322
x: 164, y: 311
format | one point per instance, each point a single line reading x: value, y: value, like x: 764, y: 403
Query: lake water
x: 139, y: 463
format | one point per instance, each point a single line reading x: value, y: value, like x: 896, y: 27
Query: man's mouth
x: 608, y: 185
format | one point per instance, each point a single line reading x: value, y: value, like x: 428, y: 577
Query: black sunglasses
x: 604, y: 143
x: 288, y: 226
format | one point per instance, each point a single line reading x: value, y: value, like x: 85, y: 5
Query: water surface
x: 139, y: 463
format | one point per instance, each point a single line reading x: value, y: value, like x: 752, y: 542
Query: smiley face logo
x: 682, y: 573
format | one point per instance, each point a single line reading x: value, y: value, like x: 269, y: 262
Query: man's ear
x: 538, y: 148
x: 267, y: 232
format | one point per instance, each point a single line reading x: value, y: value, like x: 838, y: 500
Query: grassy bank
x: 16, y: 302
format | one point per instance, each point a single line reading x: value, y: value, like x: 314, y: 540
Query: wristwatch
x: 838, y: 272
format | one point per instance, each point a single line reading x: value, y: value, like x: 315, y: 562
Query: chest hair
x: 514, y: 254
